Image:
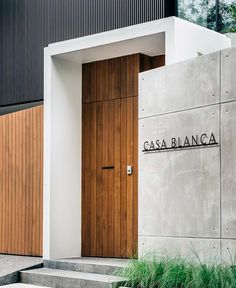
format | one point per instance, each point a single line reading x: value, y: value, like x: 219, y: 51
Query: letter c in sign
x: 145, y: 145
x: 203, y: 136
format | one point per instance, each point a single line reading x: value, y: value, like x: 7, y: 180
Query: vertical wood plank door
x: 21, y: 182
x: 109, y: 144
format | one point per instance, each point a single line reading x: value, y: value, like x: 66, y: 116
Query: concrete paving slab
x: 11, y: 265
x: 20, y: 285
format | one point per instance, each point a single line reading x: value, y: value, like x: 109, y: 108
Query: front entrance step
x: 69, y: 279
x: 89, y: 265
x: 21, y: 285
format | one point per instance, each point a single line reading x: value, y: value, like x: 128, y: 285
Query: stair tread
x: 75, y: 275
x: 95, y: 261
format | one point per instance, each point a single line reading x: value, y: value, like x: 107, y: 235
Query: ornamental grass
x: 163, y: 272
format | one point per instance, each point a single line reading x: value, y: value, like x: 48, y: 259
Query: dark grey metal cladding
x: 27, y: 26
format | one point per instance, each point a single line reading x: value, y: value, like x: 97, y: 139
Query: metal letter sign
x: 178, y: 143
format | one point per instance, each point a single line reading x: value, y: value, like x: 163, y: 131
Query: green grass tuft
x: 155, y: 272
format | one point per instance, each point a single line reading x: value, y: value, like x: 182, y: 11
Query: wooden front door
x: 110, y: 144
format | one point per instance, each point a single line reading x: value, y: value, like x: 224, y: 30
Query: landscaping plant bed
x: 178, y: 272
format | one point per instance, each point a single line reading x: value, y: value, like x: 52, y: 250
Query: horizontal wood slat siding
x: 27, y: 26
x: 21, y: 182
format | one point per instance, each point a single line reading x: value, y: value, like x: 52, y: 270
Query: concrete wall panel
x: 179, y: 191
x: 181, y: 86
x: 192, y: 248
x: 228, y: 64
x: 228, y: 153
x: 187, y: 196
x: 228, y: 251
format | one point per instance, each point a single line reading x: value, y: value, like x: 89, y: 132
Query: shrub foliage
x: 151, y: 272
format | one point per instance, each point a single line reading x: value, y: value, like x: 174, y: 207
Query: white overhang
x: 176, y: 38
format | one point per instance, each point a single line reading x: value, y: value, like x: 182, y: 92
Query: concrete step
x: 10, y: 267
x: 88, y: 265
x: 21, y: 285
x: 57, y: 278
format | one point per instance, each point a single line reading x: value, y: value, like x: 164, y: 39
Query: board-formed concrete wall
x: 187, y: 158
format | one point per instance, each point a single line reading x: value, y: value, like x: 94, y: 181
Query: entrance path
x: 11, y: 265
x: 19, y: 285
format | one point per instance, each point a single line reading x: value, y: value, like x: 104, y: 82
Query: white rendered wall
x: 182, y: 41
x: 192, y: 39
x: 62, y: 94
x: 62, y: 161
x: 232, y: 36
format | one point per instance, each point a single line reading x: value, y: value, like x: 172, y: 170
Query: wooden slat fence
x: 21, y: 182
